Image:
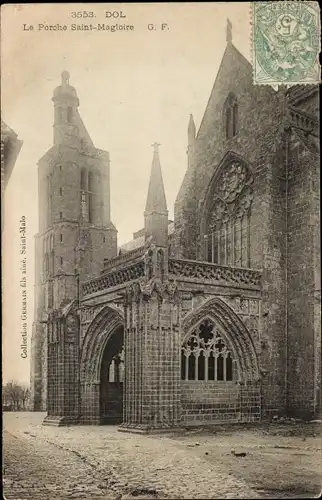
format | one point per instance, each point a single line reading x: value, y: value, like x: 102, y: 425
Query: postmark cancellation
x: 286, y: 42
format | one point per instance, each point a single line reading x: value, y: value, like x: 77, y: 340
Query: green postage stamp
x: 286, y: 42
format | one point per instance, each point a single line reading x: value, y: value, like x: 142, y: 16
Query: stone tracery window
x: 227, y: 235
x: 205, y: 355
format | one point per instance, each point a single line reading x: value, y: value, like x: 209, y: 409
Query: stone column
x: 63, y: 369
x: 152, y: 357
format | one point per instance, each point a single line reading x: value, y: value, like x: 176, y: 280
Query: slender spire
x: 191, y: 130
x: 156, y: 213
x: 156, y: 201
x: 229, y: 32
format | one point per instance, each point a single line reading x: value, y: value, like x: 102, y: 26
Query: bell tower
x: 66, y: 105
x: 75, y: 229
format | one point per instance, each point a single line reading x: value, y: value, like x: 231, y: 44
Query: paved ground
x: 34, y: 471
x: 49, y: 463
x: 282, y: 461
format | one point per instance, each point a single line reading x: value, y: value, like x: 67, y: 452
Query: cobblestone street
x: 43, y: 471
x: 100, y: 462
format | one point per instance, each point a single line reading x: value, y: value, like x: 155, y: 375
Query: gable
x: 234, y: 68
x: 258, y: 109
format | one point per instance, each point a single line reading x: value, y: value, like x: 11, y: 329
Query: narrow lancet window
x: 231, y: 116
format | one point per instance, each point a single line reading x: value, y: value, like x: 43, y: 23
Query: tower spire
x: 191, y: 131
x: 156, y: 213
x: 156, y: 201
x: 229, y: 31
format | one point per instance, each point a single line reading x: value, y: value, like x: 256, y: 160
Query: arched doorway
x: 112, y: 378
x: 101, y: 398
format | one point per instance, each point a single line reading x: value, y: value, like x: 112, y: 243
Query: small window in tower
x: 61, y: 191
x: 59, y: 114
x: 90, y: 197
x: 69, y: 115
x: 91, y: 182
x: 52, y: 263
x: 61, y: 261
x: 61, y: 237
x: 60, y: 167
x: 61, y: 215
x: 83, y: 179
x: 104, y: 239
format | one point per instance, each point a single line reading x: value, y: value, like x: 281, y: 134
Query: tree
x: 25, y: 395
x: 15, y: 395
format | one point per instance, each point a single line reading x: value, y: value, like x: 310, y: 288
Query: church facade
x: 212, y: 317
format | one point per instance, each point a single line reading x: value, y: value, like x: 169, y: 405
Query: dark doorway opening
x: 112, y: 379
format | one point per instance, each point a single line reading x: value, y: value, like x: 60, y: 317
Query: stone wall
x: 214, y: 402
x: 63, y: 398
x: 152, y: 359
x: 303, y: 280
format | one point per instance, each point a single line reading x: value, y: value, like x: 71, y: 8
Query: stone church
x: 212, y: 317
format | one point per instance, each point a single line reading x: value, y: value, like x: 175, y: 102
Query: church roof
x: 230, y: 60
x: 133, y: 244
x: 6, y: 130
x: 82, y: 131
x: 11, y: 148
x: 139, y: 242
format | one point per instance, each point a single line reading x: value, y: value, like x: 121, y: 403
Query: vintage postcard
x: 160, y: 235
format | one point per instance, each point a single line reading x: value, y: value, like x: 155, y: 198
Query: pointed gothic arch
x: 102, y: 342
x: 225, y: 211
x: 232, y: 331
x: 102, y: 327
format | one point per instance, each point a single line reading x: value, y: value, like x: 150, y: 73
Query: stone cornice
x: 303, y: 121
x: 189, y: 273
x: 116, y: 277
x: 198, y: 271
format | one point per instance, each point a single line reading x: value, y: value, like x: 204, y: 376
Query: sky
x: 135, y: 87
